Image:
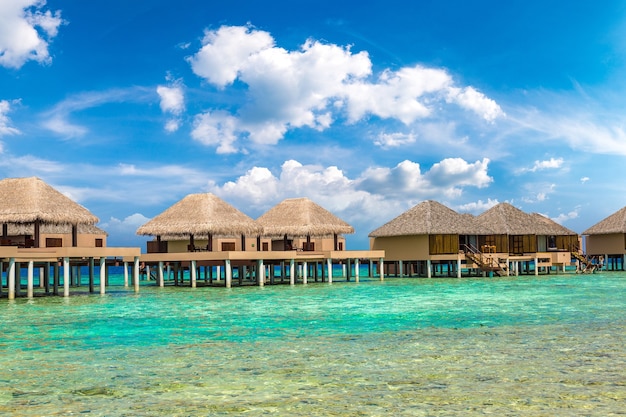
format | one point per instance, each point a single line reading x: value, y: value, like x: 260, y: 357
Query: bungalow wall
x: 400, y: 248
x: 224, y: 244
x: 614, y: 243
x: 500, y: 242
x: 55, y: 240
x: 443, y: 244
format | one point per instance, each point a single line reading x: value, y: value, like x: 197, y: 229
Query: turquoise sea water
x: 527, y: 346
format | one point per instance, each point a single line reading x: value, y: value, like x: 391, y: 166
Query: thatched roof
x: 200, y: 214
x: 427, y: 218
x: 546, y: 226
x: 28, y: 200
x: 615, y: 223
x: 29, y: 229
x: 505, y: 219
x: 300, y: 217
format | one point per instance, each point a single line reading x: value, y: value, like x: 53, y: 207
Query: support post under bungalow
x: 11, y: 279
x: 356, y: 270
x: 401, y: 268
x: 536, y: 266
x: 260, y: 272
x: 192, y: 273
x: 305, y: 266
x: 381, y: 269
x: 30, y: 279
x: 125, y: 274
x: 429, y: 269
x: 91, y: 273
x: 458, y: 267
x: 136, y: 273
x: 160, y: 274
x: 329, y: 266
x: 292, y: 272
x: 228, y: 272
x: 66, y: 277
x: 103, y: 270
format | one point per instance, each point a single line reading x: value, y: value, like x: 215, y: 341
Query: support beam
x: 356, y: 270
x: 304, y: 272
x: 125, y: 274
x: 329, y: 267
x: 292, y: 272
x: 91, y: 274
x: 228, y: 273
x: 381, y: 269
x: 192, y: 273
x: 66, y: 277
x: 458, y: 267
x: 429, y: 272
x: 136, y: 274
x: 11, y: 278
x: 103, y: 271
x: 260, y: 272
x: 160, y: 275
x: 30, y: 279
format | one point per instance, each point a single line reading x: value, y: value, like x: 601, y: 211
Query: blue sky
x: 128, y: 106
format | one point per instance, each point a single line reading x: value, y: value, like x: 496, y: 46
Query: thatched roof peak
x: 615, y: 223
x: 198, y: 214
x: 427, y: 217
x: 28, y: 200
x: 505, y: 219
x: 299, y: 217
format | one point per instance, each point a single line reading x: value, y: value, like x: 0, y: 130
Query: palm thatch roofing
x: 615, y: 223
x: 504, y: 219
x: 300, y: 217
x: 201, y: 214
x: 30, y: 200
x: 427, y: 218
x: 548, y: 227
x: 66, y: 229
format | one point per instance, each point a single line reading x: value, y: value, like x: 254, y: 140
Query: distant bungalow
x: 203, y: 232
x: 605, y: 241
x: 42, y: 228
x: 431, y: 239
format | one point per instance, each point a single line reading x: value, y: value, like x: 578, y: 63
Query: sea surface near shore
x: 521, y: 346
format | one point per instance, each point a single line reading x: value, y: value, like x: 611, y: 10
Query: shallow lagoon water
x: 525, y: 346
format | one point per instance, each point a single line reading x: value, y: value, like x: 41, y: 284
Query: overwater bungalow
x: 201, y: 222
x: 605, y: 241
x: 526, y: 242
x: 301, y: 224
x: 42, y: 228
x: 292, y: 241
x: 431, y: 239
x: 425, y: 240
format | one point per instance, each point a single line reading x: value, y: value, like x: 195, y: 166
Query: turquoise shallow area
x: 527, y: 346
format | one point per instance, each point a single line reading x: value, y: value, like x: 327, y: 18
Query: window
x: 54, y: 242
x: 99, y: 243
x: 228, y: 246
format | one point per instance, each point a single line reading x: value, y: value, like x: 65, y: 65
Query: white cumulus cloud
x: 314, y: 86
x: 172, y: 103
x: 394, y: 140
x: 25, y: 31
x: 5, y: 122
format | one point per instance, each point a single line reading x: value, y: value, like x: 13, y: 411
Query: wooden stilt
x: 30, y: 280
x: 11, y: 279
x: 136, y: 274
x: 66, y: 277
x: 91, y: 274
x: 103, y: 267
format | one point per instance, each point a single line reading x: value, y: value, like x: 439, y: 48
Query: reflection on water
x: 530, y: 346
